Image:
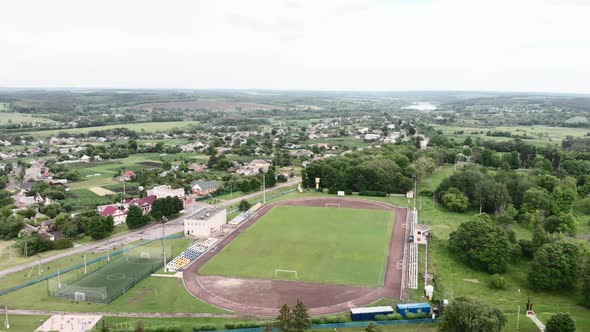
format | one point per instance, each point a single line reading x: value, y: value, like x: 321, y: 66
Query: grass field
x: 148, y: 127
x: 330, y: 245
x: 539, y: 135
x: 16, y: 118
x: 21, y: 323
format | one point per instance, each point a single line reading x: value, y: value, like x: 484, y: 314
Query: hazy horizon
x: 351, y: 45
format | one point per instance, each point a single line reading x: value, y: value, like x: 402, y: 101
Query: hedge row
x: 247, y: 325
x: 394, y: 316
x: 373, y: 193
x: 168, y: 328
x: 330, y: 320
x: 419, y: 315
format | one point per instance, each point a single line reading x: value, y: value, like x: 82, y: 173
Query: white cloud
x: 525, y: 45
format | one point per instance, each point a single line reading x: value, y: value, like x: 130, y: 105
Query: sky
x: 499, y: 45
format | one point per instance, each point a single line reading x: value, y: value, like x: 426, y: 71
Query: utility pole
x: 264, y: 188
x: 164, y: 220
x: 518, y: 313
x: 6, y: 323
x: 415, y: 192
x: 26, y: 252
x: 85, y: 267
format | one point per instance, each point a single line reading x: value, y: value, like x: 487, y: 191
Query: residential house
x: 196, y: 167
x: 205, y: 221
x: 126, y: 176
x: 145, y: 203
x: 85, y: 159
x: 371, y: 137
x: 118, y: 213
x: 300, y: 153
x: 254, y: 167
x: 165, y: 191
x: 203, y: 188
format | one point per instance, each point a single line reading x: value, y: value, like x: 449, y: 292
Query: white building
x: 205, y: 221
x: 164, y: 191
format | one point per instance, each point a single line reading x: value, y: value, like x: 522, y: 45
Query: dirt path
x: 263, y: 297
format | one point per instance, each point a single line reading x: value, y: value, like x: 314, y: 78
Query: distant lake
x: 421, y: 106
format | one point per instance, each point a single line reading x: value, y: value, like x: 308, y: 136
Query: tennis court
x: 109, y: 281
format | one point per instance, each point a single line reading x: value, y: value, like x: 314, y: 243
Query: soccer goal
x: 279, y: 273
x: 333, y: 205
x: 145, y: 255
x: 79, y: 296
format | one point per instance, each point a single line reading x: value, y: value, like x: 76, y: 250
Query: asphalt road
x: 150, y: 232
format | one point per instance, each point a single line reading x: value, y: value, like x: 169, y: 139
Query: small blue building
x: 369, y: 313
x: 404, y: 308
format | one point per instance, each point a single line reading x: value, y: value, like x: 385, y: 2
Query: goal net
x: 286, y: 274
x: 333, y: 205
x: 79, y: 296
x: 145, y: 255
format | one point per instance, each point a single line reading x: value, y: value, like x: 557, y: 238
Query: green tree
x: 244, y: 205
x: 255, y: 184
x: 536, y: 200
x: 301, y: 320
x: 482, y: 244
x: 270, y: 178
x: 455, y: 200
x: 285, y: 318
x: 11, y: 226
x: 585, y: 283
x: 5, y: 198
x: 561, y: 322
x: 470, y: 315
x: 425, y: 166
x: 562, y: 223
x: 489, y: 158
x: 492, y: 195
x: 245, y: 186
x: 98, y: 227
x: 562, y: 199
x: 139, y: 327
x: 135, y: 218
x: 556, y: 265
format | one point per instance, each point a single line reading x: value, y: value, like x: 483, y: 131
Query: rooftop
x: 204, y: 213
x: 370, y: 310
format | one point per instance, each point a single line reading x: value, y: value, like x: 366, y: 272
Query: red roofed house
x: 145, y: 203
x: 126, y: 176
x: 119, y: 215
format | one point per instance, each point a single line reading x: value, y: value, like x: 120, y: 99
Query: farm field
x: 147, y: 127
x: 209, y: 104
x: 539, y: 135
x: 16, y: 118
x: 349, y: 141
x: 329, y: 245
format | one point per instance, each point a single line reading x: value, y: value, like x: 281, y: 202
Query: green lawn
x: 21, y: 323
x: 338, y: 245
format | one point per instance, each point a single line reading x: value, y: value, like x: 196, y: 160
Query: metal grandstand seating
x: 413, y: 254
x: 190, y: 254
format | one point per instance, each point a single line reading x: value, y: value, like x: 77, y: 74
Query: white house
x: 205, y: 221
x: 165, y: 191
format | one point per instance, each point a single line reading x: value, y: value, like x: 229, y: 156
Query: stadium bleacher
x: 190, y: 254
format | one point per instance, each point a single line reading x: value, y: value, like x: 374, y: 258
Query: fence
x: 90, y: 262
x: 347, y: 325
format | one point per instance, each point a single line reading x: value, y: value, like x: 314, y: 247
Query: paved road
x: 116, y: 314
x: 150, y: 232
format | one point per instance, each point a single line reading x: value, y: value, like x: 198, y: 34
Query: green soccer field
x: 109, y: 281
x: 327, y: 245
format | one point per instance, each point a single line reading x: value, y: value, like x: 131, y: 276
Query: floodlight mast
x: 164, y: 220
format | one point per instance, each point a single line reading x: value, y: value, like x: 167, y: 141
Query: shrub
x: 62, y: 244
x: 417, y: 315
x: 373, y: 193
x: 230, y: 326
x: 497, y: 281
x: 396, y: 316
x: 204, y: 327
x: 380, y: 317
x: 317, y: 320
x: 349, y: 192
x: 173, y: 328
x: 335, y: 319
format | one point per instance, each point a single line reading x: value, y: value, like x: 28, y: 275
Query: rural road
x: 150, y: 232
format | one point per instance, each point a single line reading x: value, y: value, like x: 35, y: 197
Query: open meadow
x: 148, y: 127
x: 328, y: 245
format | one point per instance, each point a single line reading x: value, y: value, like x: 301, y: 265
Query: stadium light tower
x: 6, y: 323
x: 415, y: 188
x: 164, y: 221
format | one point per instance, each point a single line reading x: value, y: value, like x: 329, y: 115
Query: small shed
x: 404, y: 308
x: 369, y: 313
